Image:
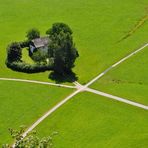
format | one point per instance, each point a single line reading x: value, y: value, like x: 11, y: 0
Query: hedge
x: 28, y: 68
x: 21, y: 66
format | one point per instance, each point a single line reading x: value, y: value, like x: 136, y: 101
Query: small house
x: 39, y: 44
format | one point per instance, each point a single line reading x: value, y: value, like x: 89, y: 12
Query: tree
x: 62, y: 48
x: 58, y: 27
x: 14, y: 52
x: 32, y: 34
x: 31, y: 141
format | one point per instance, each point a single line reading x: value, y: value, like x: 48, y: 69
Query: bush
x: 32, y: 34
x: 14, y: 52
x: 58, y: 27
x: 39, y: 57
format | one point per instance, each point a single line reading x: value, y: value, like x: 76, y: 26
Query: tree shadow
x: 70, y: 77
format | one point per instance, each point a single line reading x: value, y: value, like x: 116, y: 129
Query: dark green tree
x: 14, y: 52
x: 31, y: 141
x: 62, y: 49
x: 57, y: 28
x: 32, y: 34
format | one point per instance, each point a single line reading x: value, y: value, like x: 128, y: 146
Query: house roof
x: 41, y: 42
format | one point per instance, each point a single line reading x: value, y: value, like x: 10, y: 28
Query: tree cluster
x: 61, y: 48
x: 61, y: 51
x: 31, y: 141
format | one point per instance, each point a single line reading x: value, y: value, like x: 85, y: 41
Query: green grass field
x: 87, y: 120
x: 23, y: 104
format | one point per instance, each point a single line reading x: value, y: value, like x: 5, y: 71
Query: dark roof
x: 41, y: 42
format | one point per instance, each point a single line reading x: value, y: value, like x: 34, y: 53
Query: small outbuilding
x: 39, y: 44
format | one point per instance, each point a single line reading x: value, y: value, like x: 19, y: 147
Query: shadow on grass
x: 71, y: 77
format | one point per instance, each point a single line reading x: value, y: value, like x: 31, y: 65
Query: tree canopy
x: 62, y: 48
x: 31, y: 141
x: 14, y: 52
x: 33, y: 33
x: 57, y: 28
